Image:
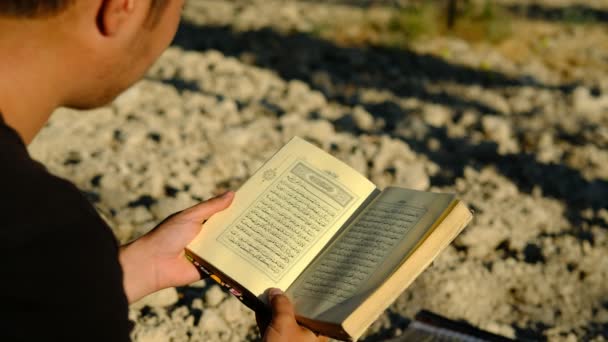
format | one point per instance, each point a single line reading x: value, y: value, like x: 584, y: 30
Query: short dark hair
x: 32, y: 8
x: 41, y: 8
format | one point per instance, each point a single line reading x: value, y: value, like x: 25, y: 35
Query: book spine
x: 246, y: 297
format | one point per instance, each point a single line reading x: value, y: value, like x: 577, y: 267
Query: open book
x: 340, y: 248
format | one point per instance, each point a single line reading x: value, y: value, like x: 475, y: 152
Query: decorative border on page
x: 342, y: 197
x: 315, y: 179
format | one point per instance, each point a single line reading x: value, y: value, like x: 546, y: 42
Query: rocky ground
x: 518, y: 129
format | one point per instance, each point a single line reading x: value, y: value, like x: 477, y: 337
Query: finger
x: 205, y: 210
x: 283, y: 314
x: 263, y: 320
x: 310, y: 336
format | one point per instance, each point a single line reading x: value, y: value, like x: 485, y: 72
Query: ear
x: 113, y: 15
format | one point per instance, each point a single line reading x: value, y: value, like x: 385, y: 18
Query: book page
x: 282, y: 217
x: 367, y: 252
x: 444, y: 231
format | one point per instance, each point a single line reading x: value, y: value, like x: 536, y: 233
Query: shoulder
x: 41, y: 209
x: 38, y: 209
x: 31, y: 196
x: 59, y: 255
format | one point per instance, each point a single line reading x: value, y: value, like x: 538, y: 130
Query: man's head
x: 94, y: 48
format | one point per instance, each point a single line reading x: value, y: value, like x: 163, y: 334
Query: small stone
x: 214, y: 296
x: 197, y: 303
x: 499, y: 130
x: 496, y: 128
x: 411, y: 176
x: 199, y: 284
x: 434, y: 144
x: 586, y: 104
x: 231, y: 309
x: 123, y: 232
x: 211, y: 321
x: 134, y: 216
x: 168, y: 206
x: 390, y: 151
x: 141, y: 215
x: 363, y: 119
x: 437, y: 116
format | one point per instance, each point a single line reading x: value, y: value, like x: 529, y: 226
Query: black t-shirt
x: 60, y: 275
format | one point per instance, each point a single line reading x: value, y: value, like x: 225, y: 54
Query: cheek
x: 118, y: 76
x: 169, y: 24
x: 145, y: 50
x: 151, y: 44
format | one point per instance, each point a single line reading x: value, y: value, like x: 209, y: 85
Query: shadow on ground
x: 341, y: 72
x: 574, y: 14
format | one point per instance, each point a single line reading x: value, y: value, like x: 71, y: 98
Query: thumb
x: 205, y: 210
x: 283, y: 315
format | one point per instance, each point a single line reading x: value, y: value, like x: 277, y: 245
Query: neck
x: 31, y: 86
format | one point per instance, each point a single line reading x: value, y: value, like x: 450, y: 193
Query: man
x: 63, y: 276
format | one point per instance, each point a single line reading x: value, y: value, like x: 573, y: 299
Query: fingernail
x: 227, y: 194
x: 273, y: 293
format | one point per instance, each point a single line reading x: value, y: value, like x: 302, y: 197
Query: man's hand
x: 157, y: 260
x: 283, y: 326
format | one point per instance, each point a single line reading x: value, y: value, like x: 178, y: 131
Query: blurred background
x: 503, y: 102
